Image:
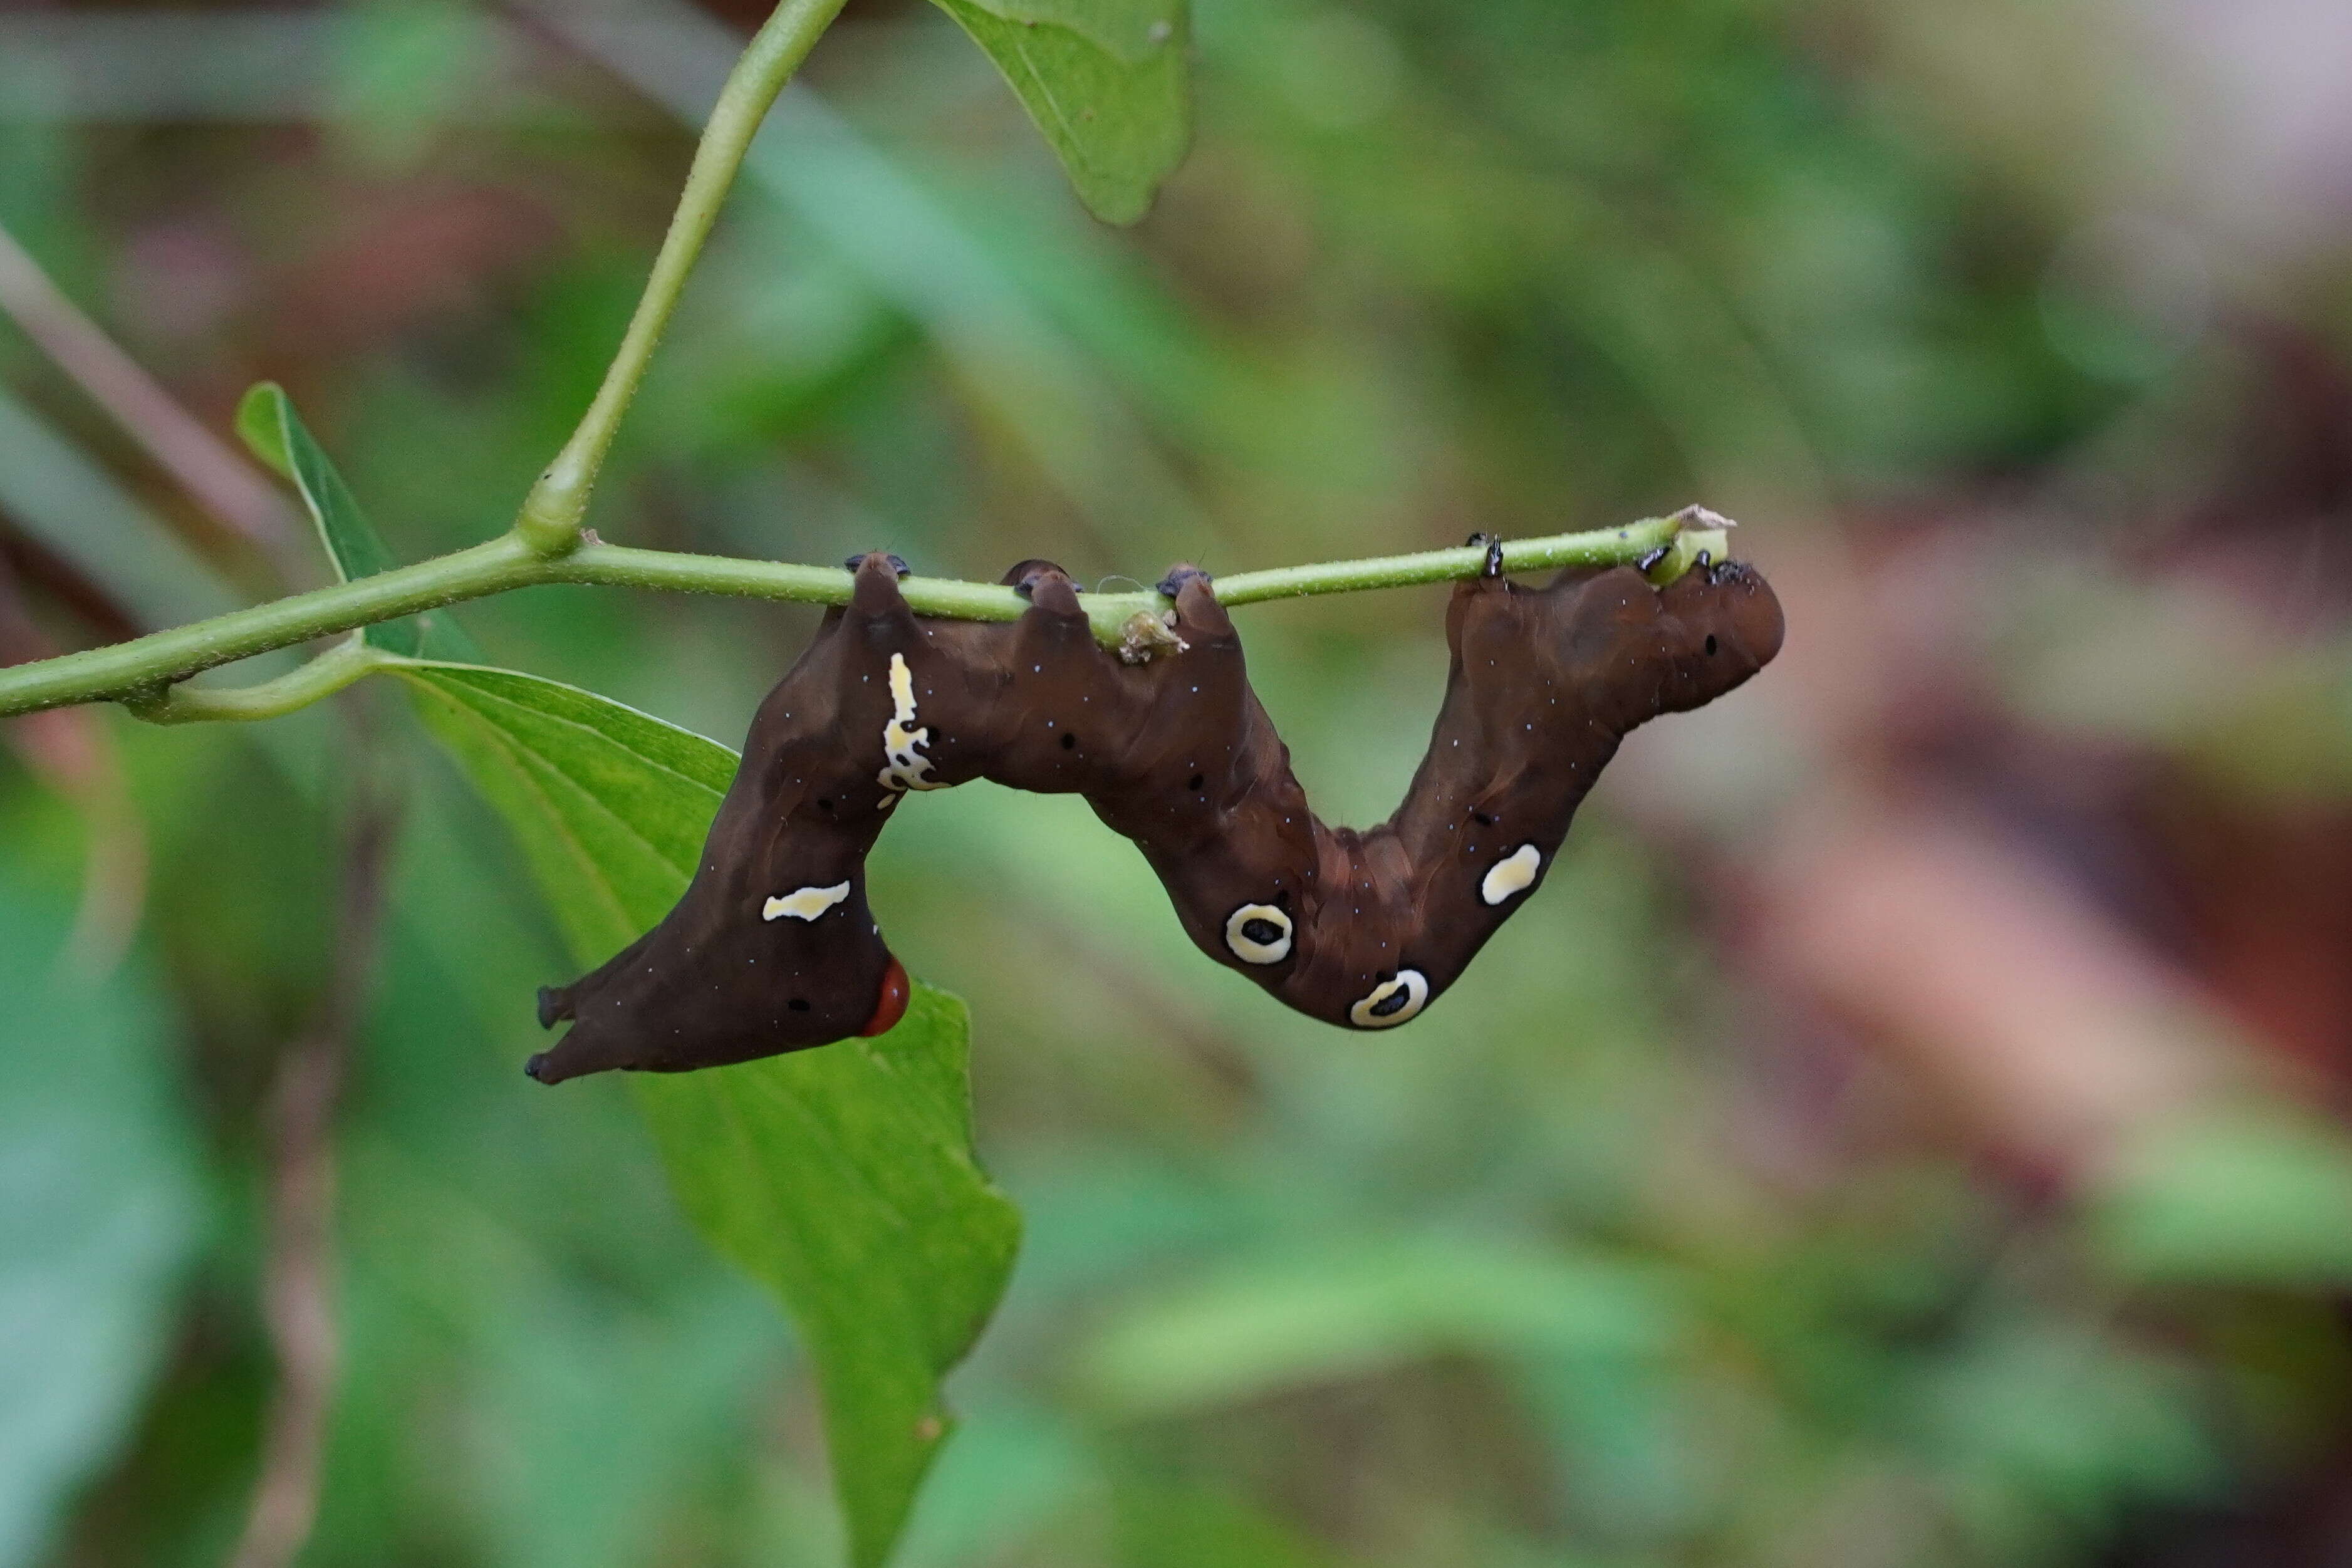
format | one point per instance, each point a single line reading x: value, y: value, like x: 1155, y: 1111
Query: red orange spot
x: 892, y: 1006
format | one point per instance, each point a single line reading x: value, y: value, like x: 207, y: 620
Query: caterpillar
x: 772, y: 948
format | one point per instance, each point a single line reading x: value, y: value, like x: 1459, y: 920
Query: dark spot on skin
x: 1282, y: 899
x: 1482, y: 819
x: 798, y: 1004
x: 1265, y: 933
x: 1195, y: 781
x: 1070, y: 742
x: 1710, y: 644
x: 1394, y: 1002
x: 824, y: 805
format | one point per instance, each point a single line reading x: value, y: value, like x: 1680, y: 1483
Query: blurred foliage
x: 106, y: 1190
x: 1628, y: 1255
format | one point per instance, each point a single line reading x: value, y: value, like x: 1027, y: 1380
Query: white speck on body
x: 1513, y: 873
x: 804, y: 903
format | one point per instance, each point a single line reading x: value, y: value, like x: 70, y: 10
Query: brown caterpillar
x: 772, y: 948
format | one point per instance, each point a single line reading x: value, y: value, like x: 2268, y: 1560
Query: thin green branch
x: 1606, y: 547
x: 349, y: 660
x: 552, y: 512
x: 148, y: 663
x: 143, y: 672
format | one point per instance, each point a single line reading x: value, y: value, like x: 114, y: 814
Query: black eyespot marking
x: 1070, y: 742
x: 798, y: 1004
x: 1266, y: 933
x: 824, y: 805
x: 1396, y: 1001
x: 1710, y: 644
x: 1482, y: 819
x: 1194, y: 782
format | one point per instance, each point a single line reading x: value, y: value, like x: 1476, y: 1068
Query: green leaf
x: 105, y: 1201
x: 1106, y: 81
x: 266, y: 420
x: 843, y: 1178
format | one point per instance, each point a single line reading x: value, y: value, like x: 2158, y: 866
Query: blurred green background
x: 1906, y: 1130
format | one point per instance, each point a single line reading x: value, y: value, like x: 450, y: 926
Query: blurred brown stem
x: 299, y: 1286
x: 229, y: 487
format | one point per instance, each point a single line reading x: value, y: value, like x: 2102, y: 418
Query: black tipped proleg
x: 1182, y: 573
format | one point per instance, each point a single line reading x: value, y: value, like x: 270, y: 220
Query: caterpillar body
x: 773, y: 948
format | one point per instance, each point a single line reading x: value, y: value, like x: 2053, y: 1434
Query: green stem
x: 1606, y: 548
x: 138, y: 671
x: 552, y: 512
x: 125, y: 669
x: 349, y: 660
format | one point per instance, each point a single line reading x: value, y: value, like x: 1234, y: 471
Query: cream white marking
x: 1248, y: 948
x: 804, y: 903
x: 1513, y: 874
x: 903, y: 767
x: 1382, y: 1011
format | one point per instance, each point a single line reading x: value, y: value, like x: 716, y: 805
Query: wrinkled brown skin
x: 1175, y: 754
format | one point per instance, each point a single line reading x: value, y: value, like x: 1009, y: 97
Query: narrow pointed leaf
x: 1109, y: 82
x: 843, y: 1177
x: 266, y: 420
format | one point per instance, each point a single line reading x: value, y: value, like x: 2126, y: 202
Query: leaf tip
x: 261, y: 425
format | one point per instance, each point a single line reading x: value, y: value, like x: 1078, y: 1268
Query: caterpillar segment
x: 773, y: 947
